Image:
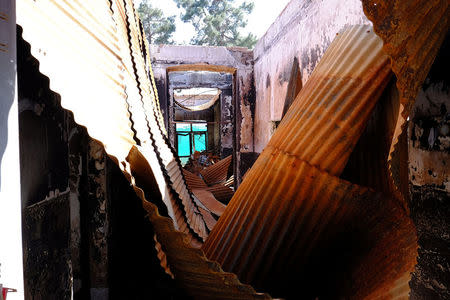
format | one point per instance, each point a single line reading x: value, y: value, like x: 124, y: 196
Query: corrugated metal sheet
x: 221, y: 192
x: 193, y: 181
x: 93, y: 54
x: 325, y: 122
x: 208, y: 200
x: 80, y: 52
x: 218, y: 172
x: 412, y: 32
x: 201, y: 278
x: 290, y: 214
x: 90, y: 57
x: 285, y: 229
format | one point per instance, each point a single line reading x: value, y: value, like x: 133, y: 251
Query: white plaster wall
x: 304, y: 30
x: 11, y: 269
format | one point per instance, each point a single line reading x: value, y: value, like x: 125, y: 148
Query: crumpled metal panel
x: 221, y: 192
x: 92, y: 68
x: 149, y: 134
x: 115, y: 78
x: 298, y: 223
x: 218, y: 172
x: 201, y: 278
x: 79, y: 51
x: 323, y: 127
x: 208, y: 200
x: 92, y: 51
x: 292, y: 220
x: 193, y: 181
x: 167, y: 157
x: 412, y: 32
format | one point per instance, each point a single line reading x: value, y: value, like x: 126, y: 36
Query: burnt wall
x: 429, y: 177
x: 46, y: 248
x: 222, y: 113
x: 296, y: 40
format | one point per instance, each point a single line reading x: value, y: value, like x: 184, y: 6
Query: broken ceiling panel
x: 196, y: 99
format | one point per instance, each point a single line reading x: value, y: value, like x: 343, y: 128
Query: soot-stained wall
x: 238, y: 61
x: 300, y: 35
x: 429, y: 177
x: 223, y: 120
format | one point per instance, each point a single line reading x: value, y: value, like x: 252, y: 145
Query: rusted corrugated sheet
x: 94, y: 51
x: 193, y: 181
x: 286, y: 229
x: 221, y: 192
x: 144, y: 112
x: 412, y: 32
x: 323, y: 212
x: 201, y: 278
x: 218, y: 172
x: 291, y: 220
x: 208, y: 200
x: 325, y: 125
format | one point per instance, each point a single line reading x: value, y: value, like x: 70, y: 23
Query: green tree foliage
x: 157, y: 27
x: 217, y: 22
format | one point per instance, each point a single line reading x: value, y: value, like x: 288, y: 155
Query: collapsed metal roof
x: 292, y: 201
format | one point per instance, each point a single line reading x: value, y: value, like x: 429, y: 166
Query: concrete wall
x: 303, y: 30
x: 241, y: 59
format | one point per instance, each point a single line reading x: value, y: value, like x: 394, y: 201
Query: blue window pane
x: 199, y: 142
x: 183, y: 144
x: 199, y: 127
x: 183, y: 127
